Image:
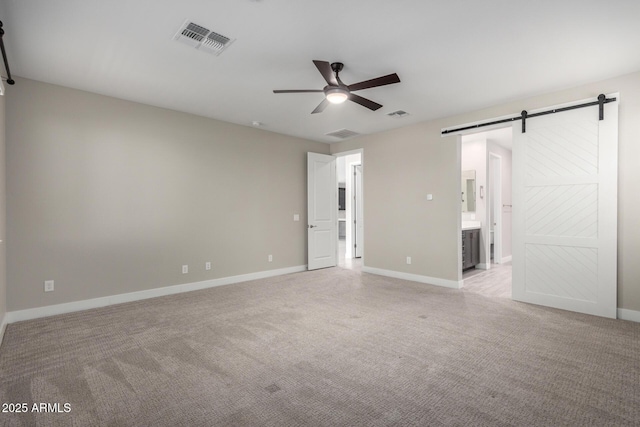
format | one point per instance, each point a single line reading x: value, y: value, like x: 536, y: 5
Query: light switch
x: 429, y: 196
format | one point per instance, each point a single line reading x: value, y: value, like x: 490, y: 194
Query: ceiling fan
x: 337, y: 92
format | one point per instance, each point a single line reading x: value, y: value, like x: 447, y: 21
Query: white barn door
x: 565, y: 177
x: 322, y: 211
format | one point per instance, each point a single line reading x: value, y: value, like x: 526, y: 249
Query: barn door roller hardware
x: 524, y: 116
x: 4, y: 57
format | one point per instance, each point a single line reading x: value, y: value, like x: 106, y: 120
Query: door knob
x: 311, y: 226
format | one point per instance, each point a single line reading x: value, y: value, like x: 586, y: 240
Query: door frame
x: 495, y: 200
x: 356, y: 210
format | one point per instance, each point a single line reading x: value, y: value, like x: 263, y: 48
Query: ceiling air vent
x: 202, y: 38
x: 342, y: 133
x: 398, y: 114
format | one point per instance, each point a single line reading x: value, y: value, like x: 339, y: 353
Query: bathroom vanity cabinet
x: 470, y: 248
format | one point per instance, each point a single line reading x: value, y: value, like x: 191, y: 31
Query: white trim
x: 494, y: 175
x: 507, y: 258
x: 459, y: 206
x: 632, y: 315
x: 3, y: 326
x: 348, y: 152
x: 356, y: 219
x: 52, y: 310
x: 455, y: 284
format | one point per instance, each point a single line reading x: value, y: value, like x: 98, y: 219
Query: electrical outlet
x: 48, y: 286
x: 207, y: 265
x: 296, y: 217
x: 270, y: 258
x: 185, y: 269
x: 408, y: 260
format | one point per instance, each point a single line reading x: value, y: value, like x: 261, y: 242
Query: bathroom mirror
x: 468, y: 191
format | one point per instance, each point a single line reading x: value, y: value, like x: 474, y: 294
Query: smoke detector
x: 202, y: 38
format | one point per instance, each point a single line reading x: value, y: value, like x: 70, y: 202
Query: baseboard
x: 455, y: 284
x: 506, y: 259
x: 482, y: 266
x: 52, y: 310
x: 631, y: 315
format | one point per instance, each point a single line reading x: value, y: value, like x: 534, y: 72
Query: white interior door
x: 565, y: 210
x: 322, y: 211
x: 358, y: 226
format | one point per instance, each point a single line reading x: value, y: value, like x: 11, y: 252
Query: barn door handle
x: 312, y: 226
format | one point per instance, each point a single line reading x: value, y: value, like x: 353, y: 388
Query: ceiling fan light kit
x: 336, y: 95
x: 337, y: 92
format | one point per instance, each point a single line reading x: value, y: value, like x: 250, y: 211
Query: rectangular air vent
x: 202, y: 38
x: 342, y: 133
x: 398, y: 114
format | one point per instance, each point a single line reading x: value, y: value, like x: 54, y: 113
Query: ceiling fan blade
x: 320, y: 108
x: 364, y: 102
x: 325, y: 69
x: 380, y: 81
x: 298, y: 91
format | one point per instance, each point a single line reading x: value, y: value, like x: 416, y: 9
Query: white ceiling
x: 452, y: 56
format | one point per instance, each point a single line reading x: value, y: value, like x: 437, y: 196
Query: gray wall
x: 403, y: 165
x: 400, y: 167
x: 107, y: 196
x: 3, y: 235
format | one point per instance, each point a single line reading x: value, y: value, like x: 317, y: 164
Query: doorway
x: 349, y: 171
x: 487, y: 157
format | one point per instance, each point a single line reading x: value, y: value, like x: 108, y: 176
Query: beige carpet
x: 327, y: 348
